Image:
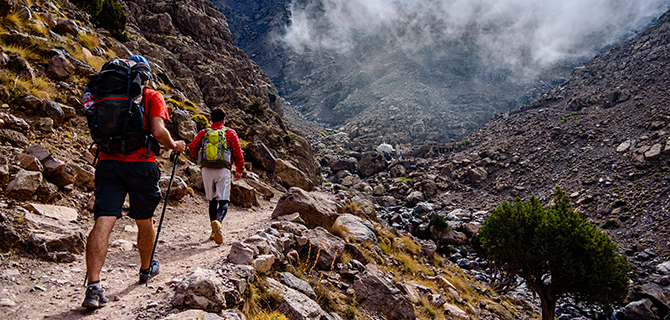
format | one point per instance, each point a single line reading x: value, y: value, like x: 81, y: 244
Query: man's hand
x: 238, y: 175
x: 180, y: 146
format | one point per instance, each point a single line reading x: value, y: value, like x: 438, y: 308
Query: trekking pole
x: 167, y: 196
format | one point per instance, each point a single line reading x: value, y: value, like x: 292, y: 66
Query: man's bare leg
x: 146, y: 236
x: 96, y: 246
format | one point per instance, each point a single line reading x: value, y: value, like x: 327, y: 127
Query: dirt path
x: 39, y: 289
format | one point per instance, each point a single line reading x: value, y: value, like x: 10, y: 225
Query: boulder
x: 454, y: 312
x: 658, y: 299
x: 186, y: 128
x: 654, y: 153
x: 193, y: 176
x: 242, y: 194
x: 477, y: 174
x: 263, y: 263
x: 45, y: 125
x: 61, y: 213
x: 4, y: 169
x: 454, y: 238
x: 378, y: 190
x: 296, y: 305
x: 85, y: 175
x: 429, y: 187
x: 641, y: 310
x: 329, y: 246
x: 365, y: 206
x: 355, y: 228
x: 64, y: 26
x: 24, y: 185
x: 296, y: 283
x: 241, y: 253
x: 59, y: 173
x: 315, y: 208
x: 52, y: 110
x: 22, y: 66
x: 397, y: 170
x: 428, y: 249
x: 47, y: 191
x: 377, y: 294
x: 205, y: 289
x: 38, y: 151
x: 292, y: 176
x: 31, y: 102
x: 60, y: 68
x: 15, y: 138
x: 413, y: 198
x: 14, y: 122
x: 663, y: 268
x: 371, y: 163
x: 178, y: 189
x: 344, y: 164
x: 52, y: 239
x: 261, y: 155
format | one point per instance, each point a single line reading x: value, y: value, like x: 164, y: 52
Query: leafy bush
x: 112, y: 18
x: 272, y: 96
x: 255, y: 109
x: 287, y: 138
x: 91, y: 6
x: 610, y: 224
x: 556, y: 252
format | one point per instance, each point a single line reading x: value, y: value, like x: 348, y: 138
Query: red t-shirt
x: 154, y: 105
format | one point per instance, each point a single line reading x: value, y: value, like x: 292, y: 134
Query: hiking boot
x: 212, y: 236
x: 147, y: 274
x: 95, y: 297
x: 218, y: 231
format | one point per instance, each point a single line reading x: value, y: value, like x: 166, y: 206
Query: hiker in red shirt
x: 216, y: 173
x: 134, y: 174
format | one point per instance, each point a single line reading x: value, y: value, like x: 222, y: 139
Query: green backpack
x: 214, y: 151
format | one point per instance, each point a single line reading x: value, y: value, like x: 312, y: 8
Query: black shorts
x: 114, y: 179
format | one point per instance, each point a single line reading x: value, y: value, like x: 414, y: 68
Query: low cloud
x: 505, y: 34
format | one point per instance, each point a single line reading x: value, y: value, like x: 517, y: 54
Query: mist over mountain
x: 414, y: 72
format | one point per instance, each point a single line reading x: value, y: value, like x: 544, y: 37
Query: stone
x: 24, y: 185
x: 371, y: 163
x: 242, y: 194
x: 14, y: 138
x: 55, y: 212
x: 624, y: 146
x: 296, y: 305
x: 123, y: 245
x: 38, y: 151
x: 469, y: 229
x: 53, y: 239
x: 186, y: 128
x: 329, y: 246
x: 455, y: 238
x: 64, y: 26
x: 263, y: 263
x: 85, y: 175
x: 22, y: 66
x: 641, y: 310
x: 429, y: 187
x: 378, y: 190
x: 192, y: 314
x: 52, y: 110
x: 58, y: 172
x: 14, y: 122
x: 296, y: 283
x: 397, y: 170
x: 413, y: 198
x: 355, y: 228
x: 178, y: 189
x: 68, y: 112
x: 410, y: 290
x: 454, y: 312
x: 60, y: 68
x: 654, y: 153
x: 47, y: 191
x: 350, y: 165
x: 7, y: 303
x: 292, y: 176
x: 315, y: 208
x: 477, y: 174
x: 4, y: 169
x: 428, y: 249
x: 205, y: 289
x: 45, y: 125
x: 377, y: 294
x: 241, y: 253
x: 262, y: 155
x: 663, y: 268
x: 192, y: 176
x: 459, y: 215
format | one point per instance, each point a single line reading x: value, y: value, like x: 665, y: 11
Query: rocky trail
x: 35, y: 289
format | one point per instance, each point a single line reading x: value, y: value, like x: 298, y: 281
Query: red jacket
x: 231, y: 139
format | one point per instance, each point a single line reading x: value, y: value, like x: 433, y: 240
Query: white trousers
x: 217, y: 183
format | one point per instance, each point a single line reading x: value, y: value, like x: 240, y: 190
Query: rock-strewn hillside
x: 603, y: 136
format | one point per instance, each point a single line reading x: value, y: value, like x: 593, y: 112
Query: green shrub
x: 272, y: 96
x: 287, y: 138
x: 610, y: 224
x: 112, y: 18
x: 350, y: 312
x: 255, y: 109
x: 91, y: 6
x: 190, y: 106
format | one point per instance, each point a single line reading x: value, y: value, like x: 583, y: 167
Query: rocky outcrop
x: 315, y: 208
x: 207, y: 290
x: 377, y: 294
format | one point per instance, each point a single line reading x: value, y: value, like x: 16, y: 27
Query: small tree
x: 556, y: 252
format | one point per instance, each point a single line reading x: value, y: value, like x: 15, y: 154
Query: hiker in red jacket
x: 216, y: 174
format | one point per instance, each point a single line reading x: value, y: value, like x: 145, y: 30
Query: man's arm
x: 162, y: 135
